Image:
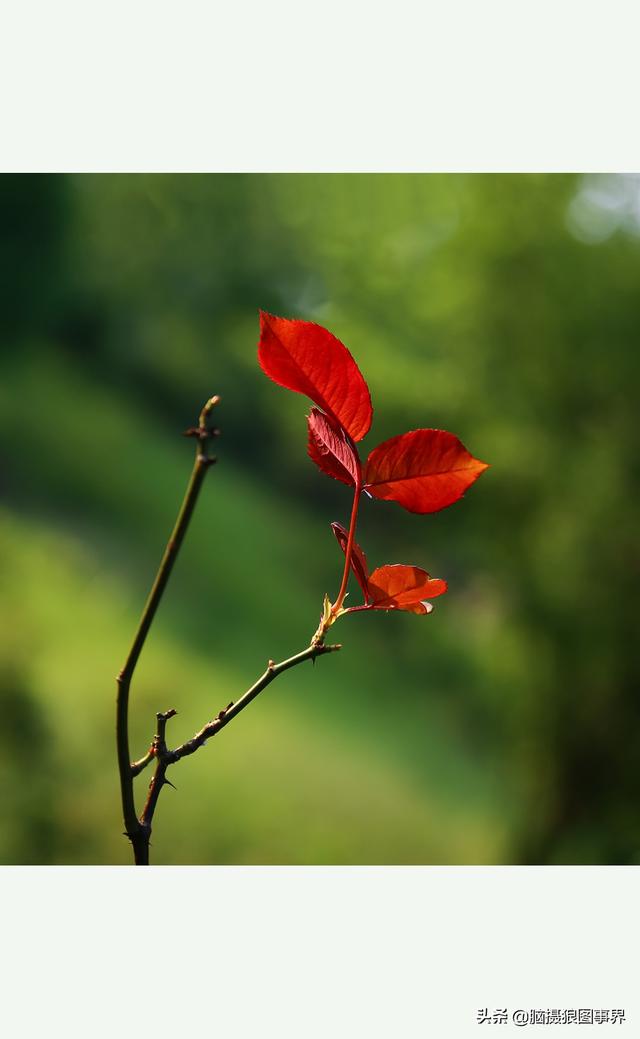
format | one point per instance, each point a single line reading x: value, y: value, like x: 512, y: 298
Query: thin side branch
x: 233, y: 709
x: 165, y: 757
x: 139, y: 766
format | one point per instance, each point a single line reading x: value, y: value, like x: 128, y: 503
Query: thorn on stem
x: 202, y: 432
x: 207, y: 460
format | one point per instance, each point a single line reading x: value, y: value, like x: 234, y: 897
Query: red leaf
x: 358, y: 558
x: 423, y: 471
x: 332, y: 450
x: 400, y: 587
x: 306, y: 358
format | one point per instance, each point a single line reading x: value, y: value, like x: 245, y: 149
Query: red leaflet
x: 392, y: 587
x: 306, y: 358
x: 332, y: 450
x: 358, y: 558
x: 400, y: 587
x: 423, y: 471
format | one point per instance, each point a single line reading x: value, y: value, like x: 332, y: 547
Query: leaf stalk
x: 337, y: 606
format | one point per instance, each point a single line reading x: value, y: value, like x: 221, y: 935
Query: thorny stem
x: 348, y: 550
x: 165, y: 758
x: 134, y: 829
x: 159, y: 779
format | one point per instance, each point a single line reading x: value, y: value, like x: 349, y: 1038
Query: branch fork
x: 165, y: 757
x: 138, y: 829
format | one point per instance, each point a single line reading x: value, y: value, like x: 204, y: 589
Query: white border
x: 313, y: 953
x: 350, y: 85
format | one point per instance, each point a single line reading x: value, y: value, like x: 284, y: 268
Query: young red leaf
x: 400, y: 587
x: 358, y: 558
x: 306, y: 358
x: 423, y: 471
x: 332, y: 450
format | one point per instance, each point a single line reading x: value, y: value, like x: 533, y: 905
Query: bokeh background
x: 505, y: 727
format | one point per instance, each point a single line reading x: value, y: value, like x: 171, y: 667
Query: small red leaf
x: 332, y: 450
x: 306, y: 358
x: 424, y: 470
x: 358, y: 558
x: 400, y: 587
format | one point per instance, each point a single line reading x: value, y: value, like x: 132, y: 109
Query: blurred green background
x: 505, y: 727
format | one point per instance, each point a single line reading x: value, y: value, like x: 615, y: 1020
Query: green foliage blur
x: 505, y: 727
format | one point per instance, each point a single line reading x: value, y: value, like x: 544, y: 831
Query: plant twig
x: 165, y: 757
x: 138, y: 766
x: 160, y: 753
x: 133, y: 828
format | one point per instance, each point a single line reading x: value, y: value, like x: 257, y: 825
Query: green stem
x: 133, y: 828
